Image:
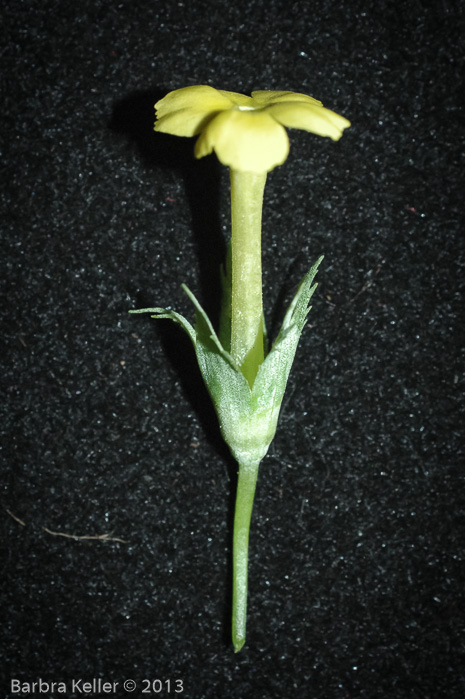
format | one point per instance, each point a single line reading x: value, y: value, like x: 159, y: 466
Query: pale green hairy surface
x: 247, y: 416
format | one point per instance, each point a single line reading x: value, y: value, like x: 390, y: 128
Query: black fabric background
x: 357, y: 545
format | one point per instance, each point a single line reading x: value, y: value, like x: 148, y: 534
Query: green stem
x: 246, y: 293
x: 244, y: 502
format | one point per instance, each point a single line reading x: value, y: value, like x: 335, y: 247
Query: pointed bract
x: 247, y: 416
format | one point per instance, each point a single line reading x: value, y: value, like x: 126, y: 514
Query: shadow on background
x: 133, y: 118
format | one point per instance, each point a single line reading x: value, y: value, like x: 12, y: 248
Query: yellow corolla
x: 247, y: 133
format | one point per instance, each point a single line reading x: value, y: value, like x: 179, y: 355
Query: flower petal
x: 263, y: 98
x: 309, y: 117
x: 237, y: 99
x: 185, y: 112
x: 245, y: 140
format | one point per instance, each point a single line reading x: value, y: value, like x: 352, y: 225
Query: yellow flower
x: 247, y: 133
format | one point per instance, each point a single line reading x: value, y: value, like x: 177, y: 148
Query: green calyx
x: 247, y: 414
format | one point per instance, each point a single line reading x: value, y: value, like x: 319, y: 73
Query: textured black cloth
x: 357, y: 542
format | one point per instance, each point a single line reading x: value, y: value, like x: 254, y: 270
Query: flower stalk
x: 246, y: 483
x: 247, y: 350
x: 247, y: 341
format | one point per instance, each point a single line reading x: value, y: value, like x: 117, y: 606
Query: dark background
x: 357, y: 546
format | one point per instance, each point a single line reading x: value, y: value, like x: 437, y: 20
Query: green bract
x: 247, y: 416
